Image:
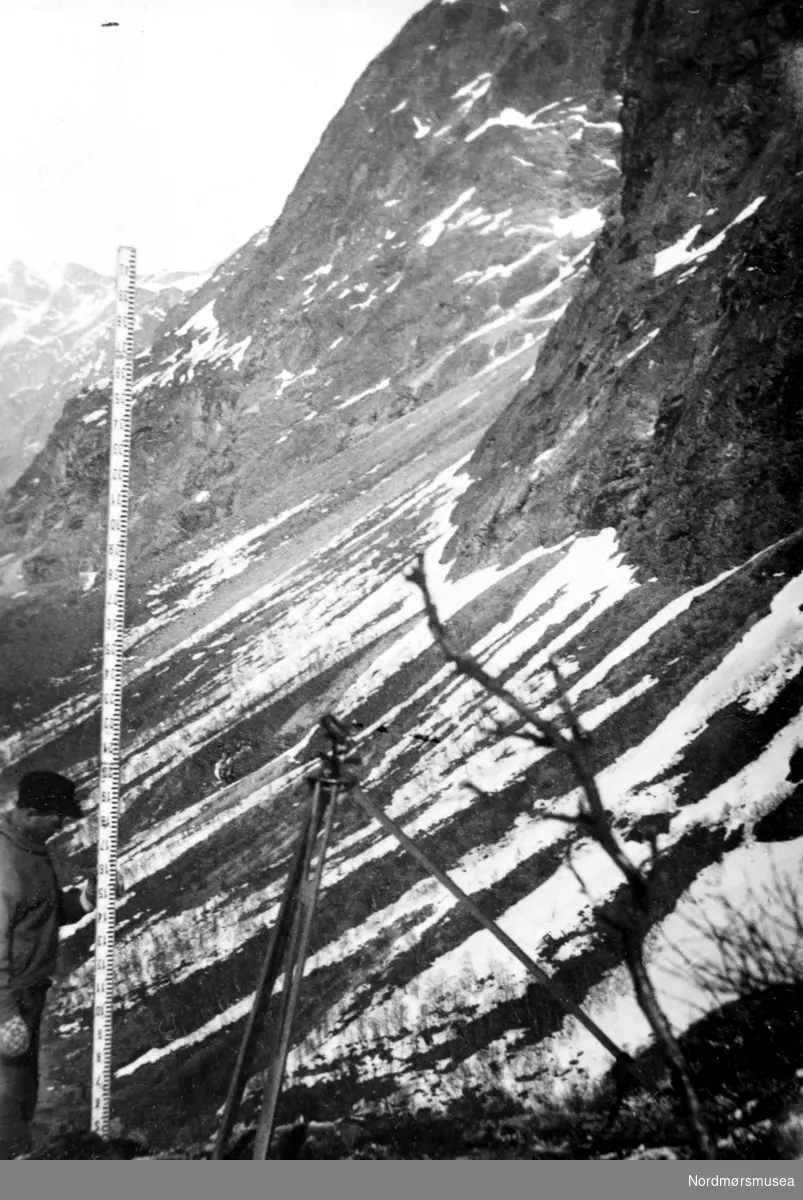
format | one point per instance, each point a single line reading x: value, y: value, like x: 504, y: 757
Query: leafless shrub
x: 755, y: 945
x: 572, y: 741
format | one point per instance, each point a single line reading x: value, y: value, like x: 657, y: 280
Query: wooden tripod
x: 289, y: 942
x: 290, y: 937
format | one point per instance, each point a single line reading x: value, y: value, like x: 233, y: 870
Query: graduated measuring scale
x: 112, y: 685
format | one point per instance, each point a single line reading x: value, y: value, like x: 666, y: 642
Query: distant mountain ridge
x: 55, y: 338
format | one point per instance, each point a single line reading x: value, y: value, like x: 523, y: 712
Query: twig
x: 595, y: 821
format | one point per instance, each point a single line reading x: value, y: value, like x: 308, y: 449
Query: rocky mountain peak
x: 77, y: 275
x: 19, y: 283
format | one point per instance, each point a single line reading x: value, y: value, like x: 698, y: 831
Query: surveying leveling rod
x: 112, y: 685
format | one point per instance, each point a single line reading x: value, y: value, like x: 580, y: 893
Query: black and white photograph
x: 401, y: 589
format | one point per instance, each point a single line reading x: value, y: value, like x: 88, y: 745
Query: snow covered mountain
x: 55, y: 338
x: 453, y: 180
x: 468, y: 334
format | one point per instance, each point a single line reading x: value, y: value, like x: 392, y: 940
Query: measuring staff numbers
x: 112, y: 685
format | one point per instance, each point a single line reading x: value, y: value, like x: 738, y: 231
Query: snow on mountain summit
x: 56, y: 338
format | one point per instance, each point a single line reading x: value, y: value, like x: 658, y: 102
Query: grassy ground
x: 746, y: 1058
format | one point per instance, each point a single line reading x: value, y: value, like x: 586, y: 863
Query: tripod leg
x: 267, y: 980
x: 280, y: 1032
x: 293, y: 980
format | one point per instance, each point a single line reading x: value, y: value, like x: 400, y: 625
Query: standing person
x: 32, y: 907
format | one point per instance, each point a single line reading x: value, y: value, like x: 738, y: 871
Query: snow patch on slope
x: 679, y: 254
x: 436, y: 790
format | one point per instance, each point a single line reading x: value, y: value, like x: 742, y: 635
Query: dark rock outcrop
x: 668, y: 405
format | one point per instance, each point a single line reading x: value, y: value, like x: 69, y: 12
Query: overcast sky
x: 181, y: 131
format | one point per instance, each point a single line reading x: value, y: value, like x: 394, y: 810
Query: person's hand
x: 88, y: 894
x: 15, y: 1039
x: 89, y: 891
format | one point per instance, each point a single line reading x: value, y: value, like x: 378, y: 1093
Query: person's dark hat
x: 48, y: 792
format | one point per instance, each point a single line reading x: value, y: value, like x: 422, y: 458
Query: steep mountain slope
x: 55, y: 338
x: 669, y: 405
x: 631, y: 552
x: 457, y: 179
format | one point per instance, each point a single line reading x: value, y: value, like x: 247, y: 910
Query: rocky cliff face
x: 587, y: 498
x: 668, y: 403
x: 464, y: 178
x: 55, y: 339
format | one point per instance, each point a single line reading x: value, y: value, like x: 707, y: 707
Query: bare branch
x: 752, y: 951
x: 568, y: 708
x: 593, y: 819
x: 479, y: 793
x: 468, y: 665
x: 578, y: 878
x: 530, y: 735
x: 575, y: 749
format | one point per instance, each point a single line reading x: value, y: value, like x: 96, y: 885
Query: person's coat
x: 32, y: 908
